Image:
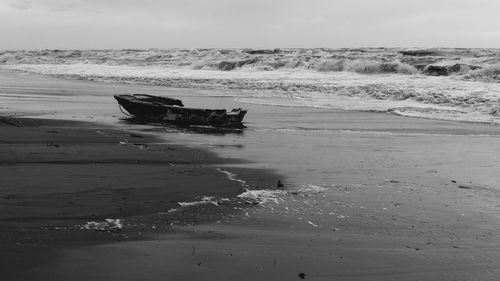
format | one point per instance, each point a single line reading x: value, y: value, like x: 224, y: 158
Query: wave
x: 475, y: 64
x: 365, y: 67
x: 454, y: 84
x: 307, y: 88
x: 488, y: 73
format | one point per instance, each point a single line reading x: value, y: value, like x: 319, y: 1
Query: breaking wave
x: 455, y: 84
x: 469, y: 63
x: 488, y: 73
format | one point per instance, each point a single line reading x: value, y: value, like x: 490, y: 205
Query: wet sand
x: 367, y: 196
x: 59, y: 175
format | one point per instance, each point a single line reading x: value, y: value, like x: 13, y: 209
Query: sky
x: 105, y: 24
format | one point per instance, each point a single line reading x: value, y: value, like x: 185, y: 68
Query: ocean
x: 444, y: 84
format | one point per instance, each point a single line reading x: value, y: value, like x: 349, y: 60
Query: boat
x: 161, y: 109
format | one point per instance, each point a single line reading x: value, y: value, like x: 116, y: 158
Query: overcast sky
x: 82, y: 24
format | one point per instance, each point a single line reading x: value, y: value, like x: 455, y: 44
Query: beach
x: 366, y: 195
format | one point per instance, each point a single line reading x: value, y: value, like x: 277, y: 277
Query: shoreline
x: 57, y: 175
x: 367, y: 196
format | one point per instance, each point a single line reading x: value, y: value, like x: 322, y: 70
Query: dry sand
x: 367, y: 197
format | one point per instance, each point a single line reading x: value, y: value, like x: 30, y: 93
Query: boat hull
x: 159, y: 112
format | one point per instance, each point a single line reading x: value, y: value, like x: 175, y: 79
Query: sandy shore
x: 367, y: 196
x: 59, y: 175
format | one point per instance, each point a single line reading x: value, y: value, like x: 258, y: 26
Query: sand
x: 367, y: 196
x: 58, y: 175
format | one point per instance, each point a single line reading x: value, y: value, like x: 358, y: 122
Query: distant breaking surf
x: 450, y: 84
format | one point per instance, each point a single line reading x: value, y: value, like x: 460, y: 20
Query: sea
x: 438, y: 83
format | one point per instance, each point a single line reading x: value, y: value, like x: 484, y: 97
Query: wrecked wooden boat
x: 163, y: 109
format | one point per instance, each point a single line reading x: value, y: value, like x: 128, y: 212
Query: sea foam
x: 449, y: 84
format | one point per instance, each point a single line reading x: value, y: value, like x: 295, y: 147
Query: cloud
x: 47, y: 5
x: 244, y: 23
x: 309, y: 20
x: 21, y: 4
